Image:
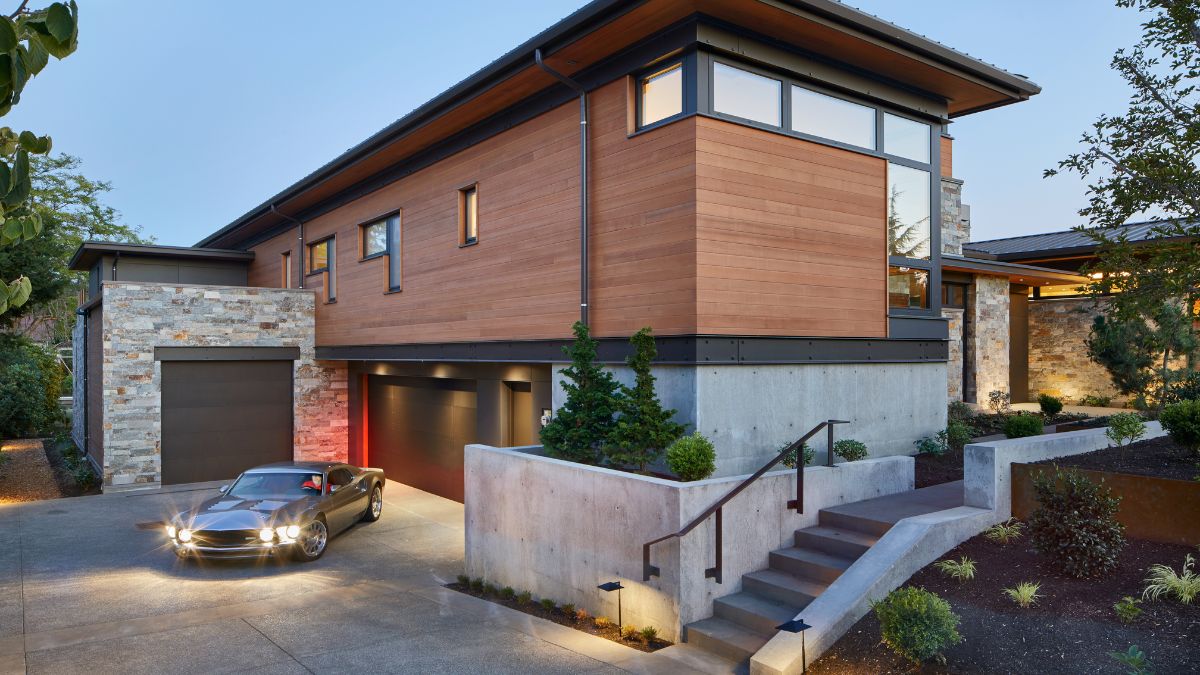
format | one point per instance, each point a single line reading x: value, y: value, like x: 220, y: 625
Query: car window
x: 276, y: 485
x: 340, y: 477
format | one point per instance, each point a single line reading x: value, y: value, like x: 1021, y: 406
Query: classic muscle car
x: 286, y: 508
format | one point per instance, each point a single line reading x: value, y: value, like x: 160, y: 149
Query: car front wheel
x: 374, y: 506
x: 312, y: 541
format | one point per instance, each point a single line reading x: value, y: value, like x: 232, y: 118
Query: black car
x: 286, y: 508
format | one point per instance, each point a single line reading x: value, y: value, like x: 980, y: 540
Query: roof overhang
x: 602, y: 28
x: 1028, y: 275
x: 90, y: 252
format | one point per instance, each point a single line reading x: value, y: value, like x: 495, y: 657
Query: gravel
x: 25, y: 473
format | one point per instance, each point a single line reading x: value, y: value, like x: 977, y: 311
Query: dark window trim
x: 831, y: 93
x: 687, y: 63
x: 362, y: 240
x: 785, y: 94
x: 308, y: 272
x: 463, y: 240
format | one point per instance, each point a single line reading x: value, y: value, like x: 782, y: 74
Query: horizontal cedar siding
x: 790, y: 236
x: 267, y: 269
x: 947, y: 152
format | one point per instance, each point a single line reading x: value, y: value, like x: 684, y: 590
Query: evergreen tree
x: 580, y: 427
x: 644, y: 429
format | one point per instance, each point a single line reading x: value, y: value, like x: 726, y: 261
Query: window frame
x: 308, y: 259
x: 875, y: 135
x: 930, y: 299
x: 688, y: 59
x: 363, y: 239
x: 463, y: 240
x: 785, y: 95
x: 639, y: 104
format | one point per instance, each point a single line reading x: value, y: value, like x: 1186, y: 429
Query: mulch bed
x: 1159, y: 457
x: 1072, y: 628
x: 56, y: 453
x: 988, y: 424
x: 935, y: 469
x: 558, y: 616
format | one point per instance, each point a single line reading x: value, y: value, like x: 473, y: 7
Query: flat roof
x: 1025, y: 274
x: 90, y: 252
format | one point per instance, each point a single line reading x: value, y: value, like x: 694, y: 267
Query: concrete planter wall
x: 559, y: 529
x: 1151, y: 508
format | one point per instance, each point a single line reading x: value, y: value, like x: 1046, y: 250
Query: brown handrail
x: 714, y: 572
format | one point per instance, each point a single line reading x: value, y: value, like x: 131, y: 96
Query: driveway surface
x: 84, y: 589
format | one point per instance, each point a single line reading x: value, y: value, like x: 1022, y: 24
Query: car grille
x: 225, y: 538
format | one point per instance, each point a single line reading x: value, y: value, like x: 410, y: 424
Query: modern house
x: 768, y: 184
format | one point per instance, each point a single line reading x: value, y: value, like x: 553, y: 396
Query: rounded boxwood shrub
x: 1051, y: 405
x: 1075, y: 524
x: 1182, y: 422
x: 851, y: 450
x: 692, y: 457
x: 957, y: 435
x: 1020, y: 426
x: 916, y: 624
x: 789, y: 460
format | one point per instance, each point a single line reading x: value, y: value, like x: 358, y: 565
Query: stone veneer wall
x: 954, y: 365
x: 1058, y: 360
x: 956, y: 230
x: 141, y: 316
x: 989, y: 305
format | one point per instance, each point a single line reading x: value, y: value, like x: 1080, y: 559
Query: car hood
x: 232, y: 513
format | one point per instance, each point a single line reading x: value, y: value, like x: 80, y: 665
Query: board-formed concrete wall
x: 750, y: 412
x: 559, y: 529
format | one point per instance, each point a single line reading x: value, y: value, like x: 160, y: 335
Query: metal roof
x: 1063, y: 242
x: 91, y: 251
x: 1025, y: 273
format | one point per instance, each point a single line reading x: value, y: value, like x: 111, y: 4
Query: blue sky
x: 198, y: 111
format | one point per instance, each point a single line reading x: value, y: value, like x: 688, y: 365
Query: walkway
x: 25, y: 473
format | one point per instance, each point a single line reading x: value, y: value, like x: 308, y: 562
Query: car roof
x: 296, y: 466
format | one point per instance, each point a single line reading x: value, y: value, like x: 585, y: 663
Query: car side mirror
x: 223, y: 489
x: 333, y: 488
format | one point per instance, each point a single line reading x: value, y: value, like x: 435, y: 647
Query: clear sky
x: 198, y: 111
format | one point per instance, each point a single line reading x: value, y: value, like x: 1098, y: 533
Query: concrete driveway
x: 83, y: 589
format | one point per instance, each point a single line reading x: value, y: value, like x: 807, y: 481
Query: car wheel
x: 312, y: 541
x: 374, y: 506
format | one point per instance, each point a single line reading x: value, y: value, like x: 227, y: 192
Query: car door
x: 346, y: 500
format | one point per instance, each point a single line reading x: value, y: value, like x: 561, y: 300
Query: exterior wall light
x: 609, y: 588
x: 797, y: 626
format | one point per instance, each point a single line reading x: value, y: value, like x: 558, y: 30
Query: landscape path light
x: 797, y: 626
x: 609, y: 588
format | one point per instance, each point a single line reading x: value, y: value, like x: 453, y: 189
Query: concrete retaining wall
x: 559, y: 529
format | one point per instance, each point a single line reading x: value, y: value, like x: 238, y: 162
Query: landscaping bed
x: 1072, y: 628
x: 937, y: 469
x: 579, y: 620
x: 1159, y: 457
x: 990, y: 424
x: 72, y: 472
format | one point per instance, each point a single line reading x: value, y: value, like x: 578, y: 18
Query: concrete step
x: 725, y: 638
x: 783, y: 588
x: 753, y: 611
x: 808, y: 563
x: 693, y: 659
x: 836, y: 541
x: 869, y: 525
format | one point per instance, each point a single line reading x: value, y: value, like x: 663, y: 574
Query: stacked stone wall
x: 956, y: 230
x: 954, y: 364
x: 1058, y: 360
x: 990, y: 314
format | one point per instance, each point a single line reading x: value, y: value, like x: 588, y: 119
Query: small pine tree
x: 644, y: 429
x: 578, y: 431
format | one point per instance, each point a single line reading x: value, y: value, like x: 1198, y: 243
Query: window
x: 374, y: 239
x: 908, y: 212
x: 318, y: 256
x: 744, y: 94
x: 905, y: 138
x: 660, y: 95
x: 833, y: 118
x: 339, y: 478
x: 908, y: 288
x: 285, y: 266
x: 393, y: 249
x: 954, y: 295
x: 468, y: 215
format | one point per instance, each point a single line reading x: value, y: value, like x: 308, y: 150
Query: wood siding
x: 790, y: 236
x: 947, y: 152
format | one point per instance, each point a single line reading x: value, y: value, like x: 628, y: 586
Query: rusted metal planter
x: 1157, y: 509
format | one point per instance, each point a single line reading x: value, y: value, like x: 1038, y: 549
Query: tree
x: 905, y: 240
x: 28, y: 39
x: 644, y: 429
x: 1139, y: 354
x: 582, y: 424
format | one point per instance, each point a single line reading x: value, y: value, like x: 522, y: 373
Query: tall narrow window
x: 374, y: 239
x: 393, y: 249
x: 908, y: 222
x: 661, y: 95
x: 468, y: 215
x: 748, y: 95
x: 905, y: 138
x: 285, y: 266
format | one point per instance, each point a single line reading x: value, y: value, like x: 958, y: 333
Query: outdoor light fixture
x: 797, y: 626
x: 547, y: 415
x: 609, y: 588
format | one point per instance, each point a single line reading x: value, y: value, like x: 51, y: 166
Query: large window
x: 908, y: 213
x: 660, y: 95
x: 908, y: 288
x: 833, y: 118
x: 748, y: 95
x: 906, y: 138
x: 468, y: 215
x: 374, y: 239
x: 318, y: 256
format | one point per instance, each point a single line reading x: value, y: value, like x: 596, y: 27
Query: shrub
x: 1162, y: 580
x: 602, y: 622
x: 957, y: 411
x: 580, y: 426
x: 1182, y: 422
x: 581, y: 614
x: 928, y: 446
x: 692, y: 457
x: 1184, y: 388
x: 1003, y: 533
x: 490, y: 589
x: 30, y: 383
x: 1127, y: 609
x: 789, y: 460
x: 644, y: 428
x: 959, y: 570
x: 956, y: 435
x: 1020, y: 426
x: 464, y: 580
x: 628, y: 631
x: 851, y: 450
x: 568, y: 608
x: 1096, y: 400
x: 1075, y: 524
x: 1050, y: 405
x: 916, y: 624
x: 508, y: 593
x: 999, y: 401
x: 1125, y: 428
x: 1134, y: 659
x: 548, y: 604
x: 524, y: 598
x: 649, y: 634
x: 1025, y: 594
x: 477, y: 584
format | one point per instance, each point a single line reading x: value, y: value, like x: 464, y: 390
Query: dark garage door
x: 417, y: 428
x: 220, y: 418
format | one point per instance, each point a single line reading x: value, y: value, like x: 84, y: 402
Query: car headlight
x: 185, y: 536
x: 266, y: 534
x: 171, y: 531
x: 293, y: 531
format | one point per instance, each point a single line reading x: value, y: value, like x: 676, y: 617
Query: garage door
x: 417, y: 428
x: 220, y: 418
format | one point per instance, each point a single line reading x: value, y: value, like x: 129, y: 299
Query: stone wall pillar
x: 989, y: 307
x: 954, y: 364
x: 956, y: 223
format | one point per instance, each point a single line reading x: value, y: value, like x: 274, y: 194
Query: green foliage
x: 916, y: 624
x: 78, y: 467
x: 508, y: 593
x: 1136, y: 348
x: 1096, y: 400
x: 31, y: 380
x: 1134, y: 659
x: 1075, y: 524
x: 548, y: 604
x: 1127, y: 609
x: 692, y: 457
x: 851, y: 450
x: 789, y: 460
x: 644, y: 428
x: 1050, y: 405
x: 464, y: 580
x: 1186, y: 387
x: 1122, y: 348
x: 956, y: 435
x: 568, y: 608
x: 490, y: 589
x: 1182, y: 422
x: 581, y: 426
x: 649, y: 634
x: 1023, y: 425
x: 1025, y: 594
x: 602, y: 622
x: 999, y: 401
x: 1125, y: 428
x: 524, y: 598
x: 477, y: 584
x: 957, y: 411
x: 929, y: 446
x: 1003, y: 533
x: 1162, y: 580
x: 959, y: 570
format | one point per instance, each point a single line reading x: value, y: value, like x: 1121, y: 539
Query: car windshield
x: 276, y: 485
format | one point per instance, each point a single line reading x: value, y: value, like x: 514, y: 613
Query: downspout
x: 300, y: 253
x: 583, y: 182
x: 83, y: 313
x: 116, y: 259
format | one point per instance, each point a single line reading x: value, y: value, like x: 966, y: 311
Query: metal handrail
x: 714, y: 572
